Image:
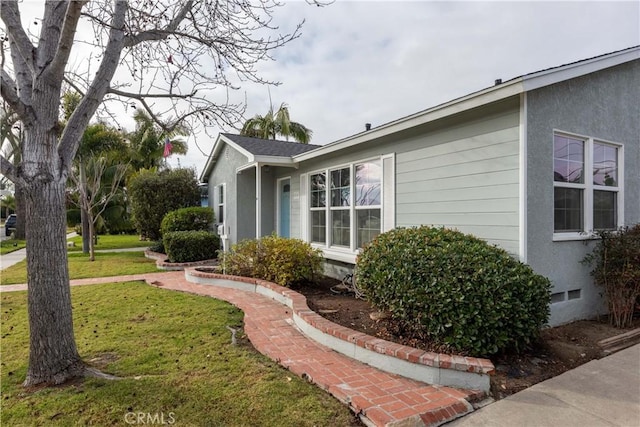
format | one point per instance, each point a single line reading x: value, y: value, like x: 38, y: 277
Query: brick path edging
x: 163, y: 264
x: 432, y: 368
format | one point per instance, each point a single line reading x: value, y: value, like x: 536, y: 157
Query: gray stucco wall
x: 246, y: 205
x: 224, y: 172
x: 268, y: 194
x: 600, y: 105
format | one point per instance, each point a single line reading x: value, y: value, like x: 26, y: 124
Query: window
x: 586, y: 185
x: 220, y: 204
x: 368, y: 201
x: 354, y: 209
x: 318, y: 207
x: 340, y: 207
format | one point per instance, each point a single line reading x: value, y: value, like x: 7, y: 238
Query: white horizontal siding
x: 470, y: 183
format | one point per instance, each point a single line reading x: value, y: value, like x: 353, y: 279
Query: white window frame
x: 338, y: 252
x: 588, y: 187
x: 221, y: 205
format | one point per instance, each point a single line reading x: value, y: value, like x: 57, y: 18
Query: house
x: 533, y: 165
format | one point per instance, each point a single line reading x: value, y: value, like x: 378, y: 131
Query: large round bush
x: 187, y: 219
x: 455, y: 288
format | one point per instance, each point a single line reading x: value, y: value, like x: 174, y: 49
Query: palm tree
x: 276, y: 123
x: 147, y: 142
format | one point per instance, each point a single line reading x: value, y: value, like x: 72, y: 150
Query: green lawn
x: 106, y: 265
x: 116, y: 241
x: 174, y: 355
x: 7, y: 246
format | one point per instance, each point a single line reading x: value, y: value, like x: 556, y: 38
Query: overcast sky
x: 373, y: 62
x: 360, y: 62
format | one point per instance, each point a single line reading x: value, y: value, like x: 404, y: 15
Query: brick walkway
x: 379, y: 398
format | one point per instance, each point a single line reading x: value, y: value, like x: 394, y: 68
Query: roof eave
x: 555, y: 75
x: 486, y: 96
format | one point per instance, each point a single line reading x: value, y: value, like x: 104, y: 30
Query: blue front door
x: 285, y: 207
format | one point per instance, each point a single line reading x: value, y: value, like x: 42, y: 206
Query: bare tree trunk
x: 53, y: 356
x: 92, y: 249
x: 84, y: 215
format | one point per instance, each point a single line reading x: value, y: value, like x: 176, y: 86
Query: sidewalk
x: 604, y: 392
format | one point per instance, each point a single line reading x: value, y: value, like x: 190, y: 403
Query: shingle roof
x: 270, y: 147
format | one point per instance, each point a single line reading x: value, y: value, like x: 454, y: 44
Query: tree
x: 11, y: 137
x: 96, y: 191
x: 98, y: 140
x: 154, y: 194
x: 146, y: 142
x: 276, y: 123
x: 174, y: 53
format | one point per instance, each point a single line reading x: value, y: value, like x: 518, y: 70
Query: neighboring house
x: 533, y: 165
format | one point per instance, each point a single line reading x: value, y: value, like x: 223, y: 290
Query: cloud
x: 360, y: 62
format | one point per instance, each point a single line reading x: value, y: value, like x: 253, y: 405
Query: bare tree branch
x: 93, y: 97
x: 10, y: 95
x: 61, y: 56
x: 7, y: 169
x: 160, y: 34
x: 11, y: 17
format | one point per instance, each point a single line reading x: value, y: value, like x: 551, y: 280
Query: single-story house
x: 533, y: 165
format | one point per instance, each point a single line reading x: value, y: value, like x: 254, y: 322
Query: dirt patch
x: 556, y: 351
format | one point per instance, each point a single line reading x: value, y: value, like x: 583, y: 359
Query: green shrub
x: 157, y: 246
x: 191, y: 246
x: 455, y: 289
x: 186, y: 219
x: 276, y: 259
x: 153, y: 194
x: 616, y: 267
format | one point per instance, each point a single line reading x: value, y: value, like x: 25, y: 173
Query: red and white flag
x: 167, y: 147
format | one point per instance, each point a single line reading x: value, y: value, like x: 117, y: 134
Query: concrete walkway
x: 603, y: 392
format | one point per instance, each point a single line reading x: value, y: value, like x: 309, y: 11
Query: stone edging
x: 162, y: 264
x: 428, y: 367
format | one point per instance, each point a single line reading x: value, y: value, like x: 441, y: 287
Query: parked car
x: 10, y: 224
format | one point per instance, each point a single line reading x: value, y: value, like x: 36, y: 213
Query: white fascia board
x: 570, y: 71
x: 238, y: 148
x: 211, y: 159
x: 486, y: 96
x: 276, y: 161
x: 217, y: 146
x: 246, y: 166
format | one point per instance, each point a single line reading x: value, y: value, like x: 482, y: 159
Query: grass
x: 106, y: 265
x: 108, y: 241
x: 174, y: 354
x: 7, y: 246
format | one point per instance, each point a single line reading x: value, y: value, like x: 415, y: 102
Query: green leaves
x: 616, y: 267
x: 455, y: 288
x: 277, y: 259
x: 191, y: 246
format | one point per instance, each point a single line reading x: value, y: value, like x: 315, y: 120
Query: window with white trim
x: 220, y: 204
x: 352, y: 217
x: 318, y: 205
x: 587, y: 184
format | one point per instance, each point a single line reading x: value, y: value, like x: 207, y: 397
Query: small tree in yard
x: 100, y: 184
x: 616, y: 267
x: 169, y: 54
x: 155, y: 194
